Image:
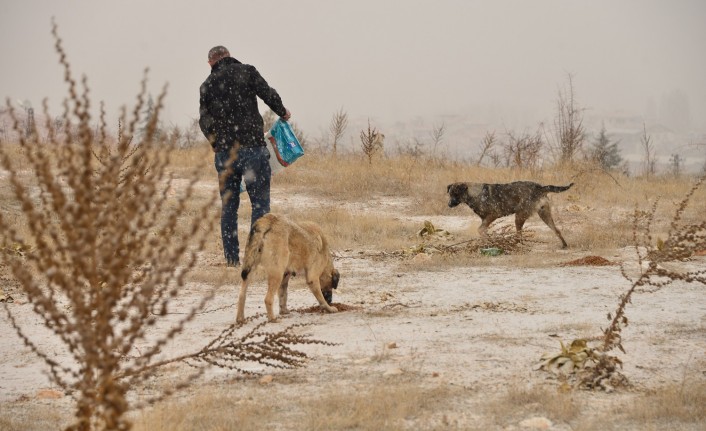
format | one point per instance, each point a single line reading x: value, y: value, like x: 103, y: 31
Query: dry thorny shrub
x: 434, y: 241
x: 503, y: 240
x: 596, y: 368
x: 107, y: 260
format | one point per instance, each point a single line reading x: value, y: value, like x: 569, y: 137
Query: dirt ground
x: 480, y: 328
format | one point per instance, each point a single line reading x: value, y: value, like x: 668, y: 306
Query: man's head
x: 216, y: 53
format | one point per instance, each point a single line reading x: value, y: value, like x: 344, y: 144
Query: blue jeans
x: 252, y: 165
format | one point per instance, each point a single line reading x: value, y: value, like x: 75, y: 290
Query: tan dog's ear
x: 334, y: 278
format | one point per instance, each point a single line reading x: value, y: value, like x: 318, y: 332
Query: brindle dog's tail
x: 556, y: 189
x: 253, y: 250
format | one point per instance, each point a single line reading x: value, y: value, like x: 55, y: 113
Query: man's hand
x: 286, y: 116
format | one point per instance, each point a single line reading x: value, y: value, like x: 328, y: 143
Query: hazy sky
x: 383, y: 59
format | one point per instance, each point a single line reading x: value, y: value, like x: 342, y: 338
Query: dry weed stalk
x: 682, y: 241
x: 569, y: 130
x: 108, y: 258
x: 230, y: 350
x: 101, y: 265
x: 337, y: 128
x: 369, y: 142
x: 596, y: 368
x: 104, y: 155
x: 272, y: 349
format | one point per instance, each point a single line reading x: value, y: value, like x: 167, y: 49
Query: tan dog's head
x: 329, y: 281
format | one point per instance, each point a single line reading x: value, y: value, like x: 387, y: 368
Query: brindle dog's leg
x: 520, y: 219
x: 483, y: 228
x: 545, y: 213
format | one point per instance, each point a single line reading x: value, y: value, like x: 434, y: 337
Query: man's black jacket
x: 228, y: 106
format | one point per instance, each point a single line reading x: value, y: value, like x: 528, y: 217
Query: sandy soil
x: 481, y: 326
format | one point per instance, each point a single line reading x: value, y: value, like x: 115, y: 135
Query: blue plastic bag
x: 285, y: 144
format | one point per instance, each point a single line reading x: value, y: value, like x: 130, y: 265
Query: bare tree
x: 437, y: 136
x: 413, y: 148
x: 3, y: 129
x: 192, y: 133
x: 487, y: 144
x: 649, y: 167
x: 568, y: 123
x: 523, y: 151
x: 175, y: 136
x: 29, y: 127
x: 337, y: 128
x: 676, y: 164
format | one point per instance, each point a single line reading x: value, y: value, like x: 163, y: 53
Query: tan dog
x: 492, y: 201
x: 284, y: 248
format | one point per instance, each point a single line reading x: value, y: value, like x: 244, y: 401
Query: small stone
x: 421, y: 257
x: 49, y: 394
x: 392, y: 345
x: 264, y: 380
x: 537, y: 423
x: 392, y: 372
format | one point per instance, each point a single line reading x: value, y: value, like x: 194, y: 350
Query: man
x: 230, y: 119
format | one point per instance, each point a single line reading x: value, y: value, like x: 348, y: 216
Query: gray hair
x: 218, y: 52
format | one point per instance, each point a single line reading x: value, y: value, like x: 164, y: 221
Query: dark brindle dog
x: 492, y: 201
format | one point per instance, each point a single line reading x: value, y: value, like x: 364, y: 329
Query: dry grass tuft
x: 679, y: 403
x: 383, y: 407
x: 344, y: 228
x: 391, y: 406
x: 208, y: 409
x: 520, y: 401
x: 32, y: 418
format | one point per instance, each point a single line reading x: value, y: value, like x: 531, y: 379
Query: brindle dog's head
x: 457, y: 193
x: 329, y: 281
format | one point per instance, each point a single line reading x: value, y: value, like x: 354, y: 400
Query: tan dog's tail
x: 253, y: 250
